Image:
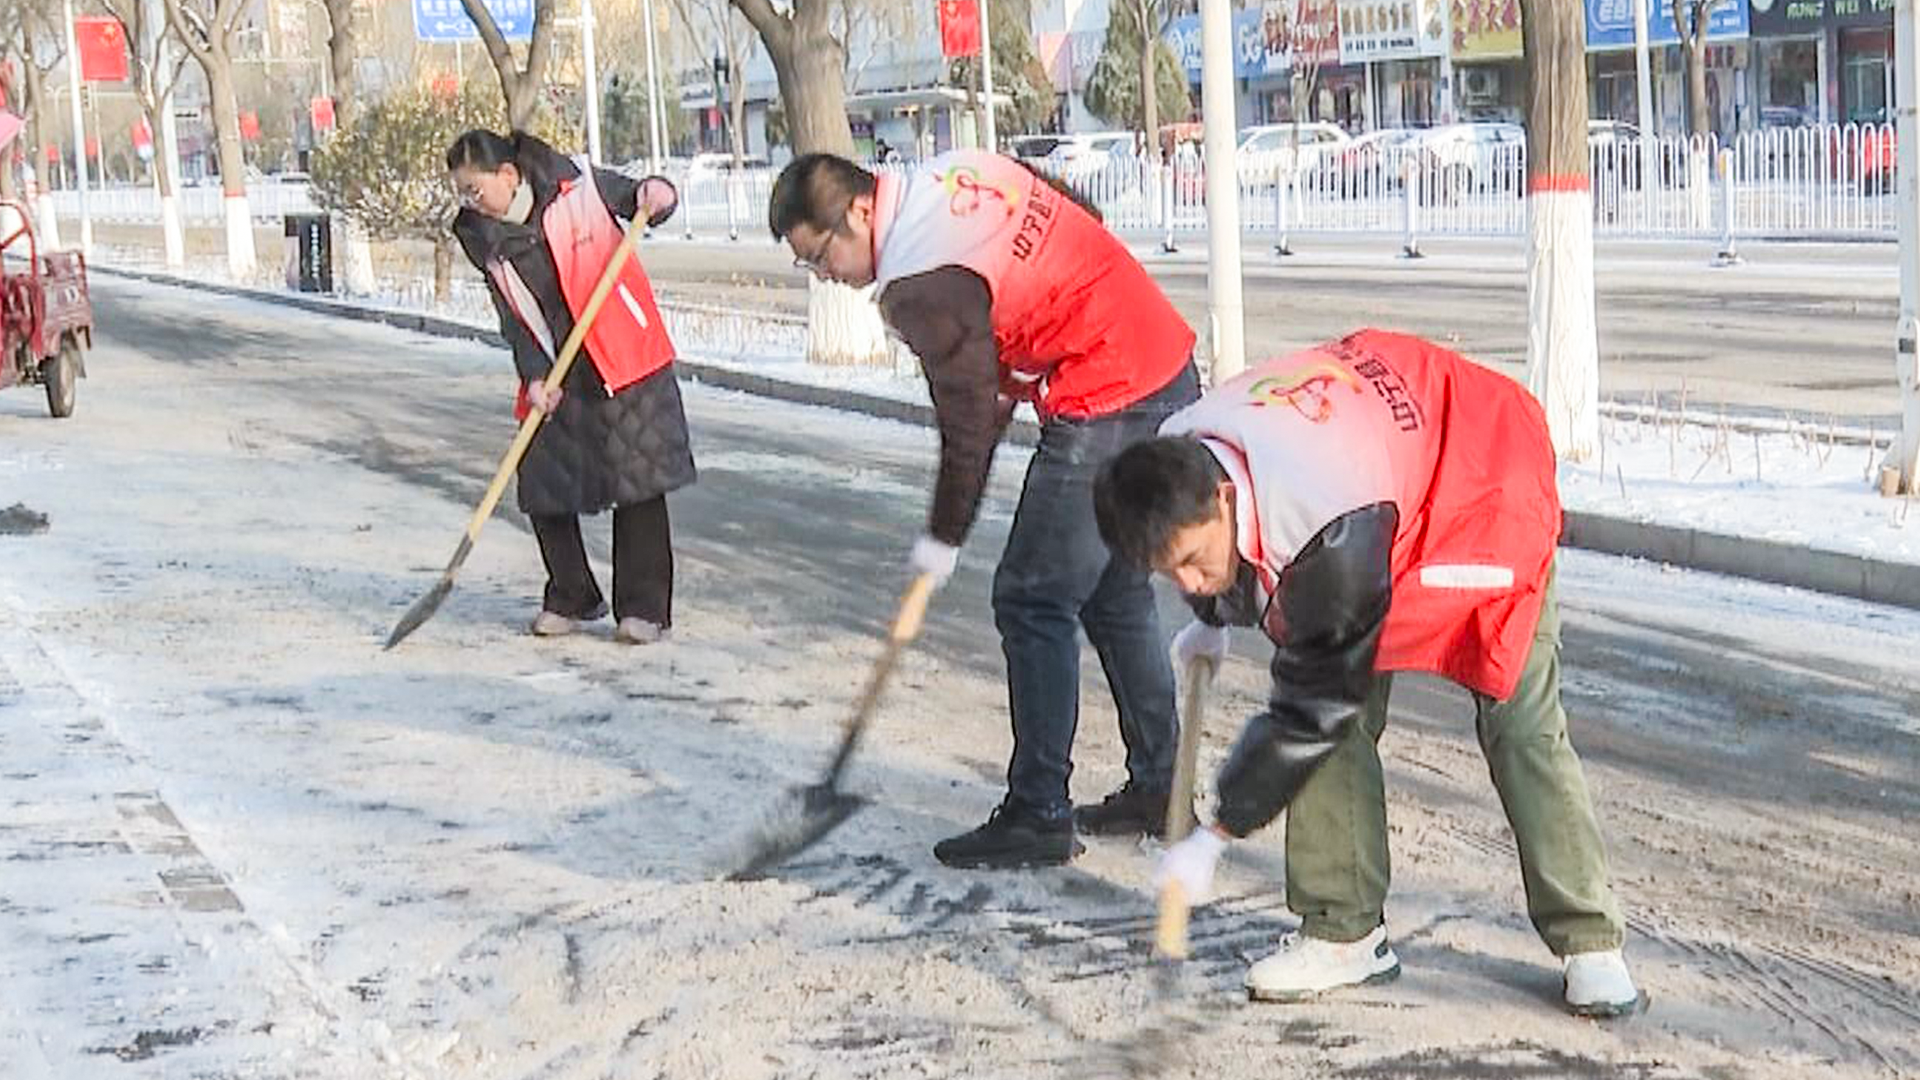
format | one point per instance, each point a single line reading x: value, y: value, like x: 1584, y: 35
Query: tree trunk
x: 737, y: 106
x: 340, y: 59
x: 1149, y: 83
x: 844, y: 325
x: 1563, y: 368
x: 442, y: 270
x: 233, y: 165
x: 1699, y: 121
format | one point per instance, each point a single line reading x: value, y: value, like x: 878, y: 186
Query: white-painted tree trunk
x: 845, y: 327
x: 175, y: 236
x: 240, y: 253
x: 356, y: 262
x: 1563, y: 362
x: 10, y: 221
x: 47, y: 229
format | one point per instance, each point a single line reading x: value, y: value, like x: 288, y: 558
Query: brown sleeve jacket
x: 945, y: 317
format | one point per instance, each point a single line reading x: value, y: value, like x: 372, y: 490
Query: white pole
x: 79, y: 135
x: 1446, y: 60
x: 1898, y: 471
x: 1223, y: 191
x: 987, y: 140
x: 592, y: 89
x: 653, y: 95
x: 1643, y: 83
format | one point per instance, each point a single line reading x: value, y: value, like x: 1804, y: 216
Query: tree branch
x: 195, y: 38
x: 774, y: 28
x: 496, y: 46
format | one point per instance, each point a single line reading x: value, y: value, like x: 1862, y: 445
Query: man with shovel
x: 1010, y: 291
x: 1377, y: 504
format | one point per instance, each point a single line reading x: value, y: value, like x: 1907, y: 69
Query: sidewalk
x: 1791, y: 504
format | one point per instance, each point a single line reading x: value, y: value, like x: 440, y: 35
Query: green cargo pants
x: 1337, y: 861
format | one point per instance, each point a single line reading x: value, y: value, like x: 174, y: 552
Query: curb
x: 1835, y: 573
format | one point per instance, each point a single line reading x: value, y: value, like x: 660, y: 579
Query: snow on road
x: 239, y: 840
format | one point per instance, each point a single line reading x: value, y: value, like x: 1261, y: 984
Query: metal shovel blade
x: 420, y: 612
x: 802, y: 819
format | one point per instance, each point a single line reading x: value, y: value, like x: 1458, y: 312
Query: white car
x: 1272, y: 150
x: 1456, y: 160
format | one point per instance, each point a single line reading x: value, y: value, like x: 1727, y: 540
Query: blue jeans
x: 1055, y: 577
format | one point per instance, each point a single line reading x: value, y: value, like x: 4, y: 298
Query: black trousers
x: 642, y: 564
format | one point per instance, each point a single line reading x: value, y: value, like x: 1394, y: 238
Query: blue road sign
x: 446, y: 20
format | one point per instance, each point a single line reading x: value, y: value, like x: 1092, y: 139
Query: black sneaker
x: 1013, y: 838
x: 1128, y: 812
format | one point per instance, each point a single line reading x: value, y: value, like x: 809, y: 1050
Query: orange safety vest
x: 1461, y: 451
x: 627, y: 341
x: 1082, y: 329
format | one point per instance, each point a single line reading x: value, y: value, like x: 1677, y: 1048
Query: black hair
x: 481, y: 149
x: 815, y: 190
x: 1152, y: 490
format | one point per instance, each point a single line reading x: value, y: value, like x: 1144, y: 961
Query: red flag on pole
x: 103, y: 48
x: 142, y: 134
x: 321, y: 109
x: 959, y: 28
x: 249, y: 125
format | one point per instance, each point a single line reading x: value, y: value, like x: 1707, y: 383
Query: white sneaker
x: 1305, y: 966
x: 634, y: 630
x: 549, y: 624
x: 1599, y: 985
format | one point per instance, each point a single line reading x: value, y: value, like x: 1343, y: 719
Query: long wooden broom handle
x: 561, y: 365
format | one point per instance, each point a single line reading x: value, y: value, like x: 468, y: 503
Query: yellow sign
x: 1486, y: 29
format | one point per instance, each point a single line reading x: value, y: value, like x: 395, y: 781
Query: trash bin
x: 309, y: 253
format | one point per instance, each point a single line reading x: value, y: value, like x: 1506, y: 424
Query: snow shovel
x: 807, y: 814
x: 1156, y: 1047
x: 425, y: 607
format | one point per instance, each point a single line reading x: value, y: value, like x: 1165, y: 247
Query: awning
x: 926, y: 97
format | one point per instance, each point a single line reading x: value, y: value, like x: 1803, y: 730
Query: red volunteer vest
x: 1082, y: 329
x: 1462, y: 452
x: 627, y: 341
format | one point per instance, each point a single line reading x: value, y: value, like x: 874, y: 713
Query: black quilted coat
x: 596, y: 451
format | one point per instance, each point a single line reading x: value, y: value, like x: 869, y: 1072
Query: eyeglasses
x: 815, y: 263
x: 467, y: 194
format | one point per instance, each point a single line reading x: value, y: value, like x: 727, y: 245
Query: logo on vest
x: 1308, y: 389
x: 966, y: 193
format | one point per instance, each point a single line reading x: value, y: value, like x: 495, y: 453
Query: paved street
x: 242, y: 841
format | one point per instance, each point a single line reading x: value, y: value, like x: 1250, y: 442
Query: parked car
x: 1269, y: 151
x: 1456, y: 160
x: 1081, y: 155
x: 1367, y: 165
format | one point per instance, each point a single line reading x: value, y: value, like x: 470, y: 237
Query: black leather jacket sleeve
x: 946, y: 317
x: 1325, y: 621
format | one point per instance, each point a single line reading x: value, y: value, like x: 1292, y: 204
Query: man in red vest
x: 1377, y: 504
x: 1010, y: 291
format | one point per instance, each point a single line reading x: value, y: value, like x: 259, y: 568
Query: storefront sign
x: 1781, y: 18
x: 1391, y: 30
x: 1486, y: 29
x: 1267, y: 39
x: 1610, y: 23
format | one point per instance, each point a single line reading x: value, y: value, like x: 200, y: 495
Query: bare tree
x: 810, y: 64
x: 728, y: 32
x: 1690, y: 19
x: 1563, y: 366
x: 523, y: 86
x: 1150, y: 19
x: 207, y: 29
x: 340, y: 60
x: 40, y: 50
x: 153, y: 84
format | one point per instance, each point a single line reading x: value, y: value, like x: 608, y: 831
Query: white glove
x: 933, y: 558
x: 1198, y: 641
x: 1190, y: 864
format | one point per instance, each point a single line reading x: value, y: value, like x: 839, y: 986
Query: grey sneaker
x: 1598, y: 985
x: 634, y: 630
